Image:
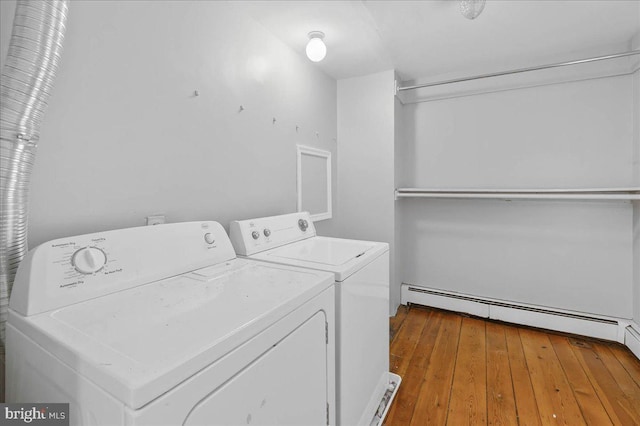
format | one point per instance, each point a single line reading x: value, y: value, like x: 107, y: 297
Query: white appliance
x: 162, y: 325
x: 365, y: 387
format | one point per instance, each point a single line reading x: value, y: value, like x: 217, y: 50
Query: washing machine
x: 163, y: 325
x: 365, y: 387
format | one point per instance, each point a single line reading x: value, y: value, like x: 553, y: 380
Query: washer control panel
x: 70, y: 270
x: 255, y: 235
x: 89, y: 260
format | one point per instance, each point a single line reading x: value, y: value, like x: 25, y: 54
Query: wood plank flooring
x: 458, y: 370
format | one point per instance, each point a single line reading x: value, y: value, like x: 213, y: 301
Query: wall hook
x: 297, y: 128
x: 274, y: 120
x: 241, y: 108
x: 196, y: 93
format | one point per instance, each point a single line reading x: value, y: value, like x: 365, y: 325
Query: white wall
x: 574, y: 256
x: 562, y: 135
x: 570, y: 255
x: 365, y: 205
x: 400, y: 246
x: 125, y: 137
x: 636, y: 204
x: 636, y: 262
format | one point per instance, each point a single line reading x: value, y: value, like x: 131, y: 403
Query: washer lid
x: 340, y: 256
x: 141, y: 342
x: 331, y: 252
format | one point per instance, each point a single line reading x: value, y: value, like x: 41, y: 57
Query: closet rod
x: 522, y: 191
x: 520, y: 70
x: 577, y: 193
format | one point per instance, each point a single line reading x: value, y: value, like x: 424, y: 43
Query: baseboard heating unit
x: 615, y: 329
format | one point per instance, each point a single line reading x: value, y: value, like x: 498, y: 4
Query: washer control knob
x: 255, y: 235
x: 88, y: 260
x: 208, y: 238
x: 266, y: 232
x: 303, y: 225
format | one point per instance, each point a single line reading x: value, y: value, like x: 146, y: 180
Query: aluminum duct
x: 27, y: 80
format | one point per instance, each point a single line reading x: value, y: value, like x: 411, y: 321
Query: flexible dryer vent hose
x: 27, y: 80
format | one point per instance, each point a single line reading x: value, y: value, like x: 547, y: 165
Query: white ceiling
x: 422, y: 39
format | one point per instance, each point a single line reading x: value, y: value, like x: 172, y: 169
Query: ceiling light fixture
x: 471, y: 9
x: 316, y: 49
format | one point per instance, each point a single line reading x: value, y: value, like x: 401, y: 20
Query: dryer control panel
x: 255, y: 235
x: 69, y: 270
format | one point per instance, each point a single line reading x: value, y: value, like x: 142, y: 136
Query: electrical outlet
x: 157, y: 219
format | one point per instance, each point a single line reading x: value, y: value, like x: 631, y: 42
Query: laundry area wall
x: 636, y: 261
x: 125, y: 136
x: 366, y: 129
x: 574, y: 255
x: 636, y: 204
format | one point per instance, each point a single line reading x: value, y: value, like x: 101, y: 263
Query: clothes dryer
x: 163, y: 325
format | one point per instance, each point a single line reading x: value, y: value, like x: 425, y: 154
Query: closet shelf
x: 510, y: 194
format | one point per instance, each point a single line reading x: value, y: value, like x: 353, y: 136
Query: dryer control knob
x: 208, y: 238
x: 303, y: 225
x: 88, y: 260
x: 266, y: 232
x: 255, y: 235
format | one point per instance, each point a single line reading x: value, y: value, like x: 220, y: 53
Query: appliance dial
x: 208, y: 238
x: 88, y: 260
x: 255, y: 235
x: 266, y: 232
x: 303, y: 225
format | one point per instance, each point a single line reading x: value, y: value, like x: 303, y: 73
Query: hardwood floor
x: 458, y: 370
